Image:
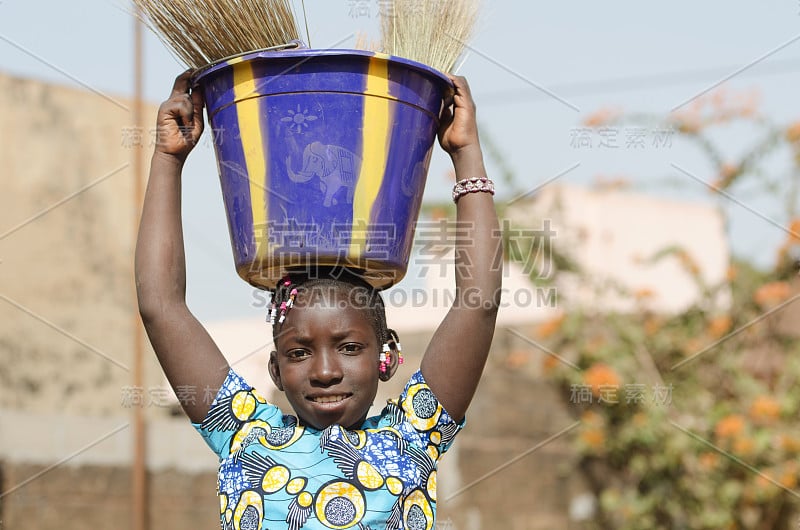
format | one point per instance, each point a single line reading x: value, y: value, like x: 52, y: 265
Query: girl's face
x: 327, y: 362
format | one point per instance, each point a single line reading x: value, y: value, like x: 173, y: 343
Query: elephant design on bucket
x: 335, y: 166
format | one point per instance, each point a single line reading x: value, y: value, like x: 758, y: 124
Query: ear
x: 392, y: 368
x: 274, y: 370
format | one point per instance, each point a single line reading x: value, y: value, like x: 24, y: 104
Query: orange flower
x: 693, y: 345
x: 719, y: 326
x: 517, y: 359
x: 772, y: 293
x: 794, y: 229
x: 743, y: 446
x: 550, y: 327
x: 603, y: 183
x: 718, y: 98
x: 785, y: 475
x: 688, y: 122
x: 748, y: 104
x: 438, y: 213
x: 708, y: 460
x: 549, y: 363
x: 731, y: 273
x: 652, y: 325
x: 688, y: 262
x: 590, y: 417
x: 783, y: 252
x: 594, y: 438
x: 764, y: 484
x: 793, y: 132
x: 788, y: 478
x: 789, y: 443
x: 594, y: 343
x: 600, y: 118
x: 726, y: 175
x: 730, y: 426
x: 765, y: 409
x: 728, y: 171
x: 644, y: 293
x: 601, y: 375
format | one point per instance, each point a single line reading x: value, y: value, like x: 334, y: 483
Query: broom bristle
x: 201, y: 32
x: 433, y: 32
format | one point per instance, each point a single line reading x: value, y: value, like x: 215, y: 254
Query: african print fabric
x: 275, y: 473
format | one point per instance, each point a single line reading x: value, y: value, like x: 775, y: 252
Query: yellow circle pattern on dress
x: 339, y: 505
x: 223, y: 502
x: 275, y: 479
x: 421, y: 407
x: 296, y: 485
x: 368, y: 476
x: 305, y: 499
x: 286, y: 441
x: 436, y: 437
x: 247, y: 428
x: 249, y: 511
x: 243, y: 405
x: 395, y: 485
x: 417, y: 512
x: 431, y: 486
x: 256, y: 394
x: 433, y: 452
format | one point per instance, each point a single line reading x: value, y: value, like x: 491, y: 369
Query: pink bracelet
x: 472, y: 185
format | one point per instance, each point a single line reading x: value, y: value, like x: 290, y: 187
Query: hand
x: 180, y: 119
x: 458, y: 130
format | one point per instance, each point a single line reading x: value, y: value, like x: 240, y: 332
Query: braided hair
x: 324, y: 282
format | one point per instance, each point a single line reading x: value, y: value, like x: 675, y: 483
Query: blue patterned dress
x: 275, y: 473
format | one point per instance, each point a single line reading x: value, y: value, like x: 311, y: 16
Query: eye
x: 352, y: 347
x: 297, y: 354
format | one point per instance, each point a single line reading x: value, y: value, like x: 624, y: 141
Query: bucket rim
x: 299, y: 50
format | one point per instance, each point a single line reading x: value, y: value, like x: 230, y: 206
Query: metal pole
x: 139, y: 466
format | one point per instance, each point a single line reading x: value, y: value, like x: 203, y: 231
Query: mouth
x: 328, y: 399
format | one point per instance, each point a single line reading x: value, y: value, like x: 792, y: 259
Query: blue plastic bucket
x: 322, y: 157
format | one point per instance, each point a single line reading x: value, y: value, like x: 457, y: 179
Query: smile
x: 329, y: 399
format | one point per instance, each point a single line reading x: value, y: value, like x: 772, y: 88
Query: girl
x: 328, y: 465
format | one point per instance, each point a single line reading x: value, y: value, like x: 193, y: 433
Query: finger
x: 445, y: 120
x: 198, y: 102
x: 181, y: 85
x: 463, y: 96
x: 447, y: 115
x: 179, y: 110
x: 186, y: 109
x: 449, y: 100
x: 460, y: 83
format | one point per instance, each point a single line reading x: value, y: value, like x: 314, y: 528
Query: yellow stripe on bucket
x: 375, y: 147
x: 254, y: 147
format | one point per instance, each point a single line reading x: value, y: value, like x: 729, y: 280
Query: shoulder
x: 237, y: 409
x: 418, y: 415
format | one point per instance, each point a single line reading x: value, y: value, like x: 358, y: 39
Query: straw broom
x: 200, y: 32
x: 432, y: 32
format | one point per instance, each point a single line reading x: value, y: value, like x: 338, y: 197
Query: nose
x: 326, y: 369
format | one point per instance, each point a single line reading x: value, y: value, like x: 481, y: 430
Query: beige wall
x: 66, y: 243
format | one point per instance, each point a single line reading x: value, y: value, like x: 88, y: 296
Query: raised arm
x: 454, y: 361
x: 187, y: 353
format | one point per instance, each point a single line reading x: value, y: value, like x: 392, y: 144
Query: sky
x: 537, y: 71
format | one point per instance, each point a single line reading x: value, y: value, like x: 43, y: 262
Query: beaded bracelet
x: 472, y: 185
